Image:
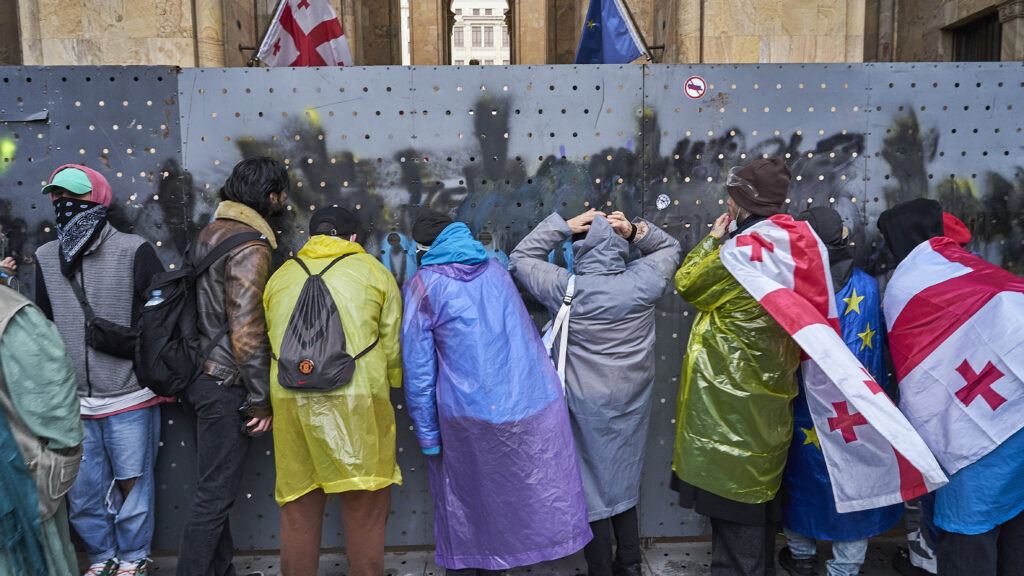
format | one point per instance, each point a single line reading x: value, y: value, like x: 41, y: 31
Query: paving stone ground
x: 691, y: 558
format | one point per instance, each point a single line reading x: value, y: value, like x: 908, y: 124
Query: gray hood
x: 601, y: 252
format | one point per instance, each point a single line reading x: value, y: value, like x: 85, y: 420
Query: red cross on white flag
x: 956, y: 324
x: 305, y: 33
x: 874, y: 455
x: 757, y: 244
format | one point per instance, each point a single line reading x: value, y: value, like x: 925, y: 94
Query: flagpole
x: 635, y: 30
x: 255, y: 49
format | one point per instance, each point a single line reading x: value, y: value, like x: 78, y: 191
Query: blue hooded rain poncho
x: 482, y: 391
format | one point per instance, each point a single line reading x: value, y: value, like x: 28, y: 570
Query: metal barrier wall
x: 502, y: 147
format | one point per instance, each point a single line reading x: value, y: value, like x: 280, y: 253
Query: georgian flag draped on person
x: 956, y: 324
x: 874, y: 456
x: 305, y: 33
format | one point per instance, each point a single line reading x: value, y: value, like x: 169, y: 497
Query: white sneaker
x: 136, y: 568
x: 108, y: 568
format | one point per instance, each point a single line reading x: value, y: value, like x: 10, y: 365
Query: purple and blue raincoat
x: 480, y: 387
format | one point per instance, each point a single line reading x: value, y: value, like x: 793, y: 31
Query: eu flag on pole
x: 609, y: 36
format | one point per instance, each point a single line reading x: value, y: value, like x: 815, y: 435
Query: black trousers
x: 206, y: 547
x: 998, y: 552
x: 625, y: 528
x: 742, y: 535
x: 741, y: 549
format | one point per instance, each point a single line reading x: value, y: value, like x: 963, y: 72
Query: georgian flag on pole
x: 874, y: 456
x: 956, y: 332
x: 305, y: 33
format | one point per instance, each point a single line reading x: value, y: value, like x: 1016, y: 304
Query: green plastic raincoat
x: 343, y: 439
x: 739, y: 376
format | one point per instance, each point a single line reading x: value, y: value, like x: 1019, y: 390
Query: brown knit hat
x: 760, y: 187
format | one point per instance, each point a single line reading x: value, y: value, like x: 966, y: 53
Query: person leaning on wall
x: 810, y: 509
x: 734, y: 420
x: 980, y: 512
x: 340, y: 438
x: 488, y: 411
x: 231, y: 398
x: 609, y: 359
x: 92, y: 269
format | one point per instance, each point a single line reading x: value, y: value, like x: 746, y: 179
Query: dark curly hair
x: 252, y: 182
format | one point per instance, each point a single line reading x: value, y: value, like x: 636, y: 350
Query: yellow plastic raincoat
x: 343, y: 439
x: 739, y: 376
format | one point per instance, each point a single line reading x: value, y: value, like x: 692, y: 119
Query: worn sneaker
x: 136, y: 568
x: 902, y: 565
x: 796, y: 566
x: 108, y: 568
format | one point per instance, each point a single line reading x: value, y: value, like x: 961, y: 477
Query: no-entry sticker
x: 695, y: 87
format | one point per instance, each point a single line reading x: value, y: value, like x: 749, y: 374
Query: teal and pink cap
x: 80, y: 180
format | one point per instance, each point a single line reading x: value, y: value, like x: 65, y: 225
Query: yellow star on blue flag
x: 866, y: 337
x: 811, y: 436
x: 853, y: 303
x: 609, y: 36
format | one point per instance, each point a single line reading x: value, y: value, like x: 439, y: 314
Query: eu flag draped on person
x: 609, y: 36
x: 811, y: 509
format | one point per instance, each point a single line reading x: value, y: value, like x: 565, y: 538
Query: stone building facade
x: 225, y: 32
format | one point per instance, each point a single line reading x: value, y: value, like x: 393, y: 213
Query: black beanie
x: 907, y: 224
x: 429, y: 225
x: 828, y: 225
x: 770, y: 179
x: 333, y: 221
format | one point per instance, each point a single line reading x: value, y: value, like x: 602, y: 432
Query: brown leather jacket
x: 231, y: 291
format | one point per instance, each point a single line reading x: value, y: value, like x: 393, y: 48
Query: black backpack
x: 312, y: 356
x: 169, y: 356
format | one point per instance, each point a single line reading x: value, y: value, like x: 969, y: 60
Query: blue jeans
x: 119, y: 447
x: 847, y: 556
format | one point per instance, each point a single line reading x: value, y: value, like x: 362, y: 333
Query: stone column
x: 31, y: 36
x: 347, y: 12
x: 856, y: 23
x: 427, y: 24
x: 683, y: 33
x: 209, y: 33
x: 1011, y: 16
x: 886, y: 36
x: 535, y: 32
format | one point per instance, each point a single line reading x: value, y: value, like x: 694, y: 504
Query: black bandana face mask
x: 78, y: 222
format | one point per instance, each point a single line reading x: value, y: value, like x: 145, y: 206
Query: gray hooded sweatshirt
x: 610, y: 357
